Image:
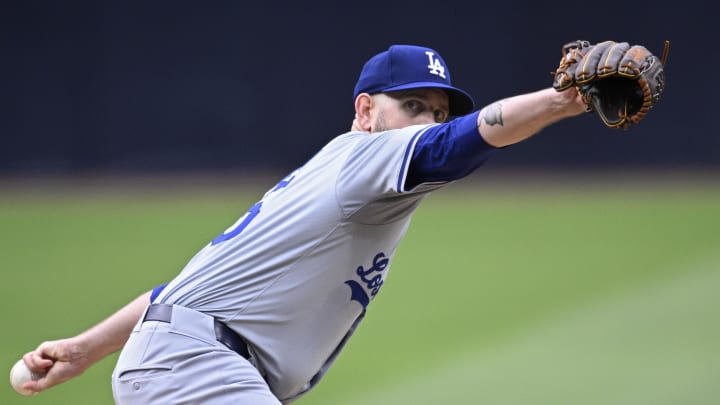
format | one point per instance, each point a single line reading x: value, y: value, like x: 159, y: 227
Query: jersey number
x: 238, y: 226
x: 245, y: 220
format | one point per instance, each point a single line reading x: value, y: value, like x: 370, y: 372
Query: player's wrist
x: 85, y: 349
x: 564, y: 104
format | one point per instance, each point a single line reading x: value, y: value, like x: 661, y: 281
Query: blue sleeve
x: 448, y: 152
x: 156, y: 291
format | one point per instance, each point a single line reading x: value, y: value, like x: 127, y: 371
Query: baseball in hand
x: 19, y: 375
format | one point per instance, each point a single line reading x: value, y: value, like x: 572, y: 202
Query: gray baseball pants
x: 182, y: 362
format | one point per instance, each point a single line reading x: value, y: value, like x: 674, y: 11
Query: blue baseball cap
x: 404, y: 67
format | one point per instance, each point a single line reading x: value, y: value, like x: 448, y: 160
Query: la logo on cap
x: 434, y: 65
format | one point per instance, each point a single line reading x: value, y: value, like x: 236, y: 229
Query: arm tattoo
x: 492, y: 114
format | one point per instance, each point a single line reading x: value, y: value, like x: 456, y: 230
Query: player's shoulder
x: 344, y: 141
x: 354, y: 142
x: 399, y: 134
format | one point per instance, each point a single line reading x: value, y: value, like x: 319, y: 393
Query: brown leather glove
x: 619, y: 81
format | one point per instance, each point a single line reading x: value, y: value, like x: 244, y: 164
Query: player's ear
x: 363, y: 108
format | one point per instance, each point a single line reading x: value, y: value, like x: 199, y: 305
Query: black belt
x: 223, y: 333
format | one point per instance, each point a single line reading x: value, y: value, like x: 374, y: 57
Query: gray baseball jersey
x: 295, y: 274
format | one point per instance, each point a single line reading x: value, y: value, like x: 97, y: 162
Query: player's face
x: 401, y: 109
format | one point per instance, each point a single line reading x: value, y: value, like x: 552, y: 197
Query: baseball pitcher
x: 262, y: 311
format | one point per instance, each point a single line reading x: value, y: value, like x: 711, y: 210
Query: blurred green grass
x: 540, y: 294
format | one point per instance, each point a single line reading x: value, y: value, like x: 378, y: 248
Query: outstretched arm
x: 452, y: 151
x: 514, y: 119
x: 67, y: 358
